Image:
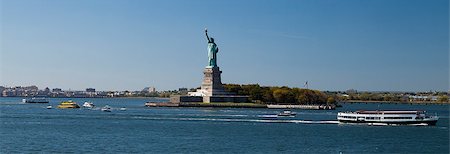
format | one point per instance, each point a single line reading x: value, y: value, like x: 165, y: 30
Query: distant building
x: 351, y: 91
x: 183, y: 91
x: 44, y: 93
x: 152, y: 89
x: 127, y: 93
x: 31, y: 88
x: 1, y: 91
x: 56, y: 90
x: 90, y: 90
x: 111, y: 94
x: 19, y: 91
x: 422, y: 98
x: 8, y: 93
x: 47, y: 90
x: 149, y: 89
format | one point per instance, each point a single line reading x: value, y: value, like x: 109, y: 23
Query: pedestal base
x: 225, y: 98
x: 212, y: 82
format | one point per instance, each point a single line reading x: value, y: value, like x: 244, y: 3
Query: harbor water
x: 32, y: 128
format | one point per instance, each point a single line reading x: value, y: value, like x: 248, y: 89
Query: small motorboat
x: 106, y: 108
x: 49, y: 107
x: 123, y: 109
x: 88, y: 105
x: 286, y: 113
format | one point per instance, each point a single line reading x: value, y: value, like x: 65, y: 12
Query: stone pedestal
x: 212, y: 82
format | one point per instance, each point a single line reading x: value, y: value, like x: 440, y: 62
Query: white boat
x: 106, y: 108
x: 123, y: 109
x: 49, y: 107
x: 286, y: 113
x: 387, y: 117
x: 88, y: 105
x: 35, y: 100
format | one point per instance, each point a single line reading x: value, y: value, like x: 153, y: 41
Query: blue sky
x: 392, y: 45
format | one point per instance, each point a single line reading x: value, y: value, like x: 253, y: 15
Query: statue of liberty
x: 212, y: 51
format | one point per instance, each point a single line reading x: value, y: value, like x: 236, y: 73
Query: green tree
x: 388, y: 98
x: 283, y: 95
x: 443, y: 99
x: 268, y: 95
x: 253, y: 90
x: 302, y: 99
x: 331, y: 100
x: 365, y: 96
x: 234, y: 88
x: 375, y: 97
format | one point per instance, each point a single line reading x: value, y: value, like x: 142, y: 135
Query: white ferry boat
x: 387, y: 117
x: 35, y: 100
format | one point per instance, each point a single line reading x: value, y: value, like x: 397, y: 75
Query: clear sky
x: 392, y: 45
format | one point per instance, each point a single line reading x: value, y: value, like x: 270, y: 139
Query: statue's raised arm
x: 207, y: 37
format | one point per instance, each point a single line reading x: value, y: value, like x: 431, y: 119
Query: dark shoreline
x: 391, y: 102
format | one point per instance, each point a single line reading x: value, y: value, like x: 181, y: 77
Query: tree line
x: 280, y: 95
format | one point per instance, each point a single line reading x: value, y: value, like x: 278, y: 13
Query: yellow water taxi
x: 68, y: 105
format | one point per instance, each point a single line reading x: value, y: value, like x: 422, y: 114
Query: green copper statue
x: 212, y: 51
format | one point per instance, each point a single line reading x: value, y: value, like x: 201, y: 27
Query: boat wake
x: 241, y: 120
x: 11, y: 103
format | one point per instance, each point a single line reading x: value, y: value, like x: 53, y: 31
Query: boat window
x: 348, y: 117
x: 397, y: 117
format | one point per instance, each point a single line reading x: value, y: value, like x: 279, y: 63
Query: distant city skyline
x: 383, y: 45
